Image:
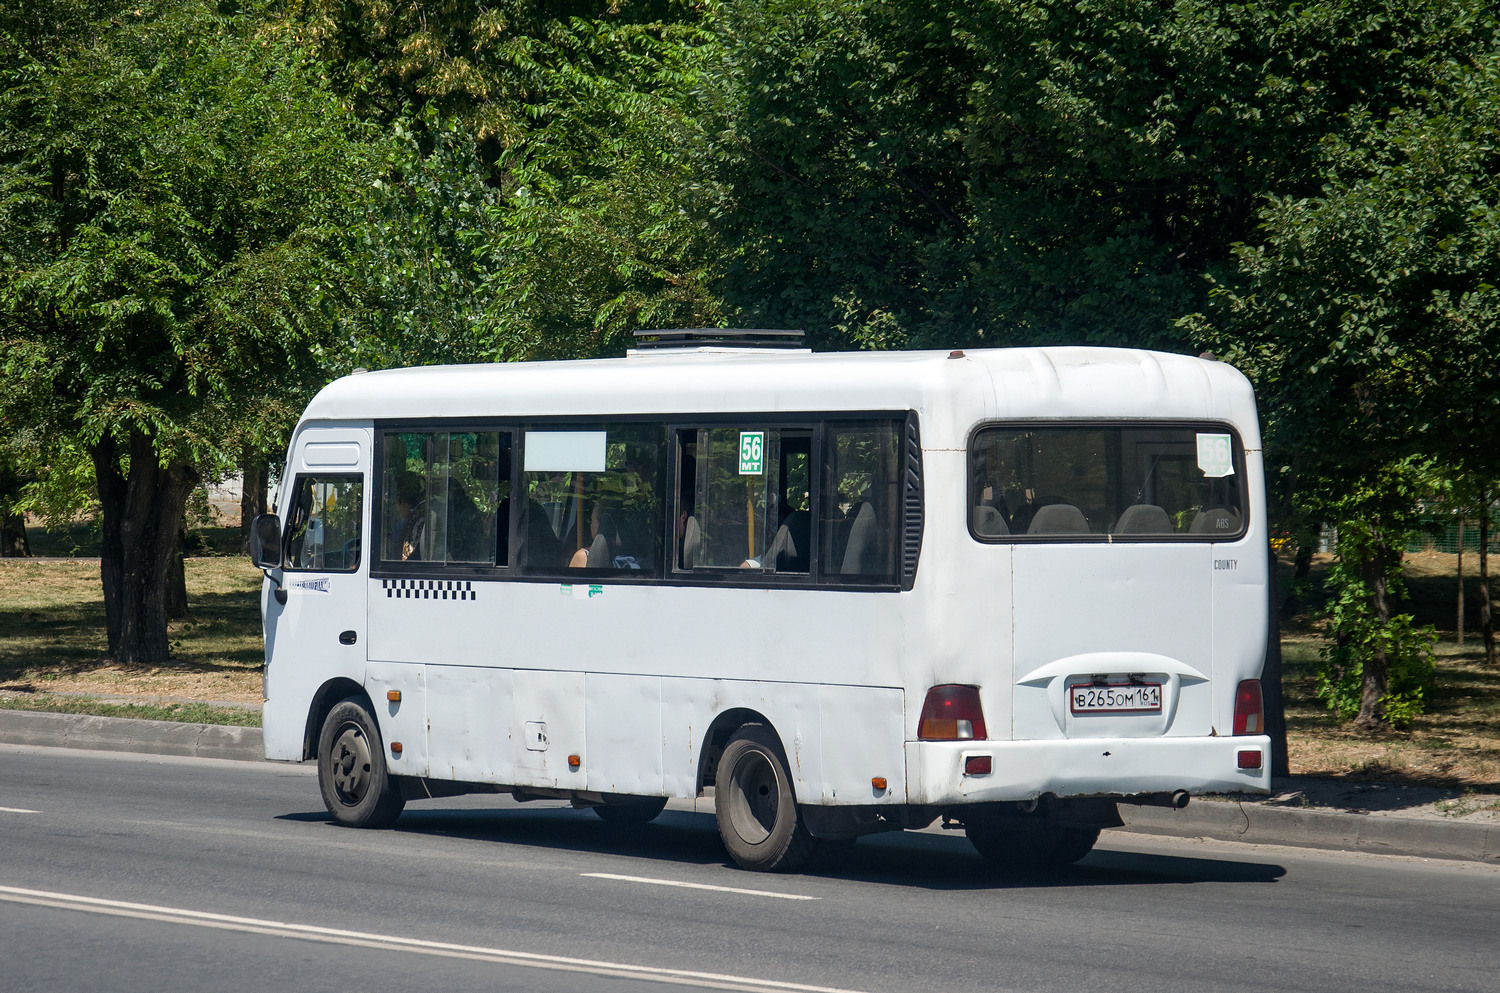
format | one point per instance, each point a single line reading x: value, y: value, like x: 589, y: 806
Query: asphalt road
x: 128, y: 872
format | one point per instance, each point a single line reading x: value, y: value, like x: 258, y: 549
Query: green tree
x: 545, y: 198
x: 175, y: 177
x: 1367, y: 312
x: 1026, y: 171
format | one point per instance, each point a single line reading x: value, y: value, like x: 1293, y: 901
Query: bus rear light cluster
x: 1249, y: 710
x: 952, y: 713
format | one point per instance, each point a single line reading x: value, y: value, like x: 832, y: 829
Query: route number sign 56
x: 752, y: 453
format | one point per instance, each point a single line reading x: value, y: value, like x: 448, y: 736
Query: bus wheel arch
x: 329, y: 694
x: 719, y: 732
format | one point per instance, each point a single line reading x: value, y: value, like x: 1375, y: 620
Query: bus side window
x: 861, y: 501
x: 592, y: 499
x: 446, y: 497
x: 323, y: 528
x: 743, y: 500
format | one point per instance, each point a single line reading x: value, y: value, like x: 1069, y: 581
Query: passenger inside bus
x: 411, y: 518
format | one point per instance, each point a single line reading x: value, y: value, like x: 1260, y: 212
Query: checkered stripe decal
x: 429, y: 589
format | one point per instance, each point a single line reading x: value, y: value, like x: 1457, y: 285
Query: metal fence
x: 1441, y: 535
x: 1432, y: 535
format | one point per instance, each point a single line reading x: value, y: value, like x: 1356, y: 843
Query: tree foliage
x: 173, y: 187
x: 1024, y: 171
x: 1367, y: 313
x: 545, y: 201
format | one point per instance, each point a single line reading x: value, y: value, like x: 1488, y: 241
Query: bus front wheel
x: 351, y: 768
x: 755, y: 806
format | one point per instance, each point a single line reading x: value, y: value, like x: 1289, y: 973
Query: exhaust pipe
x: 1177, y: 799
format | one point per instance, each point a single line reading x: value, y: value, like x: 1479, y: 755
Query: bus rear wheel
x: 755, y: 806
x: 352, y: 775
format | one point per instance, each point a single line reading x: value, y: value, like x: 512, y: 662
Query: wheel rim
x: 754, y: 798
x: 351, y: 764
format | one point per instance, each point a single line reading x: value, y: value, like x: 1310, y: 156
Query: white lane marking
x: 386, y: 942
x: 697, y: 886
x: 17, y: 810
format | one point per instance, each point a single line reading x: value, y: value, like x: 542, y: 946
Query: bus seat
x: 863, y: 554
x: 1144, y: 518
x: 988, y: 521
x: 541, y: 549
x: 692, y: 542
x: 788, y: 551
x: 1215, y: 520
x: 1058, y: 518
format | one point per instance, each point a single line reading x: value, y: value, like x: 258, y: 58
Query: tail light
x: 952, y: 713
x: 1249, y: 710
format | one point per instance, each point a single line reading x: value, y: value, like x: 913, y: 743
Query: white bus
x: 841, y: 593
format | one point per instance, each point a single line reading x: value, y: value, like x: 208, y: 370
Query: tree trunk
x: 1486, y: 616
x: 177, y: 605
x: 142, y: 513
x: 1301, y: 567
x: 1374, y: 568
x: 254, y: 469
x: 1270, y: 684
x: 13, y: 543
x: 1460, y: 625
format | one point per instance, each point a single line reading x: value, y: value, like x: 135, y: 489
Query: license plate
x: 1115, y: 698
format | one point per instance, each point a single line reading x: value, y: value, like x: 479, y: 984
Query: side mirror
x: 265, y: 541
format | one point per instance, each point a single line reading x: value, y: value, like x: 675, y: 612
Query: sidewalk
x: 1380, y: 818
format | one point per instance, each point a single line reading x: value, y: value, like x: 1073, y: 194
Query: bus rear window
x: 1137, y: 482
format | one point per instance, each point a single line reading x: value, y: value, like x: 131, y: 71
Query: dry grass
x: 1456, y: 743
x: 52, y: 634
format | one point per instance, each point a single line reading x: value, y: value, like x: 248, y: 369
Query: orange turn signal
x: 574, y: 762
x: 395, y: 748
x: 393, y: 695
x: 879, y: 783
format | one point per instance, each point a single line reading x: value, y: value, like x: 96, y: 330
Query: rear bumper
x: 1023, y: 770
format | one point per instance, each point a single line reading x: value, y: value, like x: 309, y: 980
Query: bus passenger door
x: 318, y: 633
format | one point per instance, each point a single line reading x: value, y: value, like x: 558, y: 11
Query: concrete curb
x: 123, y: 734
x: 1340, y: 830
x: 1213, y: 819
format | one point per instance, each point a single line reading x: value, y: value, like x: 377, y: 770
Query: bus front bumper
x: 1024, y: 770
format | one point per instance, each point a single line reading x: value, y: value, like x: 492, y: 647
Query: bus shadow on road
x: 921, y: 860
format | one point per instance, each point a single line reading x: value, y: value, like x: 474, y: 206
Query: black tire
x: 755, y: 805
x: 632, y: 812
x: 351, y: 768
x: 1027, y: 848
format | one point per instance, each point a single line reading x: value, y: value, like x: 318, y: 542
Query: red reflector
x: 1250, y: 760
x: 977, y: 765
x: 952, y: 713
x: 1248, y: 709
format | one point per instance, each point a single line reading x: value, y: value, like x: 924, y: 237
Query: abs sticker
x: 1215, y: 455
